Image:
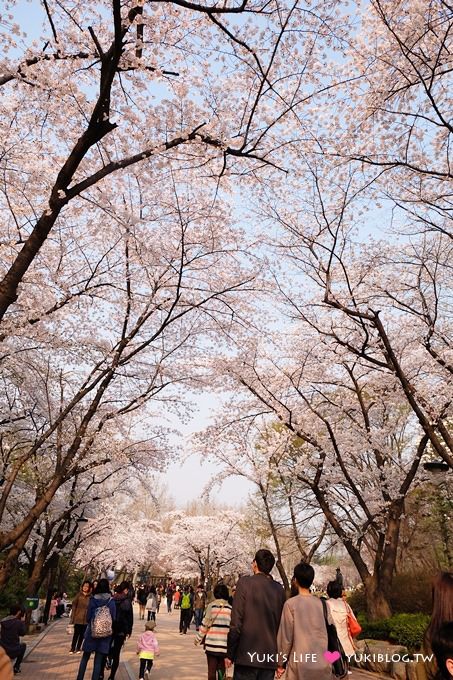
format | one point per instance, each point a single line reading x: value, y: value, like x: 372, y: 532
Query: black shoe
x: 17, y: 671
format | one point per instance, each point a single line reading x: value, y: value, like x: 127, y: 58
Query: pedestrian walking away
x: 151, y: 604
x: 340, y: 612
x: 255, y: 617
x: 302, y: 635
x: 98, y: 635
x: 147, y: 649
x: 169, y: 596
x: 142, y: 596
x: 122, y: 627
x: 213, y: 632
x: 186, y: 606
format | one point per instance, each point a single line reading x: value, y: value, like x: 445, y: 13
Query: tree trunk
x: 53, y: 564
x: 377, y: 603
x: 8, y: 565
x: 37, y: 575
x: 284, y: 578
x: 279, y: 563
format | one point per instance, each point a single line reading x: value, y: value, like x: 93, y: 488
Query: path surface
x: 50, y: 659
x: 179, y: 658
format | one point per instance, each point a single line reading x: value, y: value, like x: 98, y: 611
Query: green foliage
x: 374, y: 630
x: 13, y: 591
x: 403, y: 629
x: 409, y: 629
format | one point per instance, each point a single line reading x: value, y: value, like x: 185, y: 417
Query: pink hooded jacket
x: 148, y: 642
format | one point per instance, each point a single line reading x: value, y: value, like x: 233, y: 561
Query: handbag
x: 339, y: 666
x: 354, y: 626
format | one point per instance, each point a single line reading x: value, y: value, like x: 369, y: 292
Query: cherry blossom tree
x: 290, y: 522
x: 208, y: 546
x: 127, y: 354
x: 167, y: 85
x: 386, y: 164
x: 118, y: 536
x: 348, y: 440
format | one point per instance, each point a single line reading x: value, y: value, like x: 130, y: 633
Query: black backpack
x: 339, y: 667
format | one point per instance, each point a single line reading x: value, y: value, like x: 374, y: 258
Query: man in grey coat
x: 257, y: 609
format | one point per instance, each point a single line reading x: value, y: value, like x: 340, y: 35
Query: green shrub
x: 402, y: 629
x: 408, y: 629
x: 376, y: 630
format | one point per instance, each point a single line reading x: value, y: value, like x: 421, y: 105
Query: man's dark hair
x: 103, y: 586
x: 442, y: 646
x: 124, y: 585
x: 334, y: 589
x: 304, y: 574
x: 15, y: 608
x: 264, y: 561
x: 221, y: 592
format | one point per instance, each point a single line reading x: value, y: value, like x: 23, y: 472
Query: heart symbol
x: 331, y: 657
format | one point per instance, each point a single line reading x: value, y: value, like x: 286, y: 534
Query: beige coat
x: 302, y: 639
x: 339, y: 612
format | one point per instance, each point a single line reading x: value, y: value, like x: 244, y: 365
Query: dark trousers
x: 145, y: 665
x: 77, y: 638
x: 114, y: 654
x: 185, y: 618
x: 17, y: 653
x: 99, y: 659
x: 151, y: 615
x: 216, y: 664
x: 250, y: 673
x: 169, y: 601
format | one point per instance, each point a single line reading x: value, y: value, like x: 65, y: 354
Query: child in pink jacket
x: 147, y: 647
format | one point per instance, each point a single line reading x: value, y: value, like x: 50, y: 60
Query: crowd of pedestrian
x: 260, y: 631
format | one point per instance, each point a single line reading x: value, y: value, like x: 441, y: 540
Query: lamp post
x: 444, y: 502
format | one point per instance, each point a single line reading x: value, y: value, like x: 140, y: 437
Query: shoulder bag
x: 203, y: 639
x: 354, y: 626
x: 339, y: 667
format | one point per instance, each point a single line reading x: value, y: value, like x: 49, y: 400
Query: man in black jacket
x: 12, y: 627
x: 257, y: 609
x: 122, y: 626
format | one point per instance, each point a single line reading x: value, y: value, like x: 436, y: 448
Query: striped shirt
x: 215, y: 626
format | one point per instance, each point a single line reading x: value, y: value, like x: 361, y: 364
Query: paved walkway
x: 50, y: 660
x: 179, y: 658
